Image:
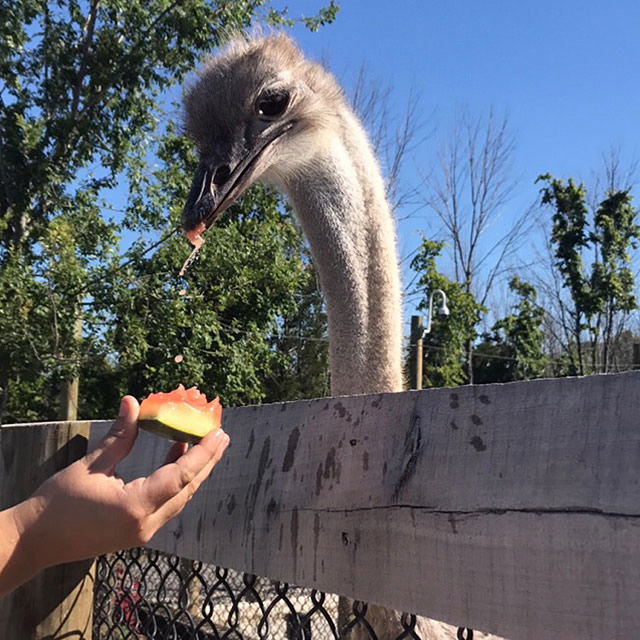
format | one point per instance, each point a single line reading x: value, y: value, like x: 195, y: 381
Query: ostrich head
x: 259, y: 111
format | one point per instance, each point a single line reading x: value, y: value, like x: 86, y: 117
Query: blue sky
x: 565, y: 72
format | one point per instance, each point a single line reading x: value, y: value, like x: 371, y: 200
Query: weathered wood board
x: 512, y: 509
x: 57, y: 603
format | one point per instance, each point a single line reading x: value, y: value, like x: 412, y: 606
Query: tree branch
x: 88, y: 30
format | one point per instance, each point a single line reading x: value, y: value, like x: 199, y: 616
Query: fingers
x: 117, y: 444
x: 175, y: 505
x: 169, y: 488
x: 177, y: 449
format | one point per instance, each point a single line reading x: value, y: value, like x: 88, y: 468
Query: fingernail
x: 122, y: 412
x: 221, y: 434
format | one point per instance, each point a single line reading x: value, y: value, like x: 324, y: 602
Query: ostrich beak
x: 210, y: 195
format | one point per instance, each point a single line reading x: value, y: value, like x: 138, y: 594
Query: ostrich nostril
x: 221, y: 175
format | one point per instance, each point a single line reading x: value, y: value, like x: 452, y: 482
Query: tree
x: 82, y: 110
x: 591, y: 301
x: 213, y: 329
x: 469, y: 193
x: 514, y: 350
x: 445, y: 363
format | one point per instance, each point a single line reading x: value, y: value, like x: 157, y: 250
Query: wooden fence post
x: 57, y: 603
x: 69, y: 399
x: 416, y: 339
x: 70, y: 388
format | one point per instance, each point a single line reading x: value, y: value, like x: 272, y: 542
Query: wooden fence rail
x: 512, y: 509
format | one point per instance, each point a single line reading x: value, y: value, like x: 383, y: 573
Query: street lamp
x: 418, y: 333
x: 442, y: 311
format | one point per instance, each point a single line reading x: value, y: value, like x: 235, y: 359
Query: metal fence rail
x: 144, y: 594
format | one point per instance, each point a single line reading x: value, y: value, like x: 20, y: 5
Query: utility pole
x: 417, y: 332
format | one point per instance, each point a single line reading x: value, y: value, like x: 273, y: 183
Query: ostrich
x: 260, y: 111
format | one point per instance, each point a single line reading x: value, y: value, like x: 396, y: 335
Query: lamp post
x: 442, y: 311
x: 418, y: 332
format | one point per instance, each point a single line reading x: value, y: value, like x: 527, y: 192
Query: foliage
x: 302, y: 369
x: 220, y: 321
x: 326, y: 15
x: 82, y: 115
x: 514, y: 350
x: 599, y: 295
x: 445, y: 362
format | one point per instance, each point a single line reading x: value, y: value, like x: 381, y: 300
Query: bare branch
x: 468, y: 194
x: 618, y: 176
x: 392, y: 141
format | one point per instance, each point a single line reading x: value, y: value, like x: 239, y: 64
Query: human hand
x: 86, y: 509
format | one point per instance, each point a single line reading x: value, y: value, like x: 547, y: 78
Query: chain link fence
x: 142, y: 594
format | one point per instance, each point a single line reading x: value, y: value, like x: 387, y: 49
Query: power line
x: 491, y: 356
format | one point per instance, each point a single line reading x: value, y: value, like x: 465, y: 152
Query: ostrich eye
x: 272, y: 104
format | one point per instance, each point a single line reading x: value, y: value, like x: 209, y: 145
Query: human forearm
x: 19, y: 558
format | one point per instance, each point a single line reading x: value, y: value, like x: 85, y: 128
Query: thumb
x: 120, y: 439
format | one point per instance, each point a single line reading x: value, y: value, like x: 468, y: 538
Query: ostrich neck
x: 340, y: 201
